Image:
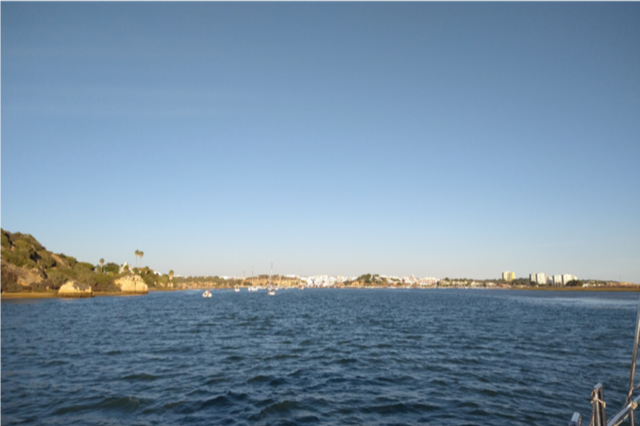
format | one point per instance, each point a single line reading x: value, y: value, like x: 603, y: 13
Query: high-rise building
x: 508, y: 276
x: 563, y: 279
x: 539, y: 278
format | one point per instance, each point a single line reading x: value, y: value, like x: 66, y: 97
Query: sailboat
x: 271, y: 292
x: 253, y: 285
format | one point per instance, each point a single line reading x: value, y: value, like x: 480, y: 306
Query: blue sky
x: 435, y: 139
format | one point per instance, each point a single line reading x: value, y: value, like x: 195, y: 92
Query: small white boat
x: 271, y: 292
x: 206, y: 294
x: 237, y: 290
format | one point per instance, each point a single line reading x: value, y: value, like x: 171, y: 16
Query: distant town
x: 507, y: 280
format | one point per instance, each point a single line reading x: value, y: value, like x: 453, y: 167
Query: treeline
x: 220, y: 282
x: 210, y: 281
x: 26, y: 261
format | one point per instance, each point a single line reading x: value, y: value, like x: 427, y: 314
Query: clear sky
x: 434, y: 139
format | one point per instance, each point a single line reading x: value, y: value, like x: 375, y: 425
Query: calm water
x: 318, y: 357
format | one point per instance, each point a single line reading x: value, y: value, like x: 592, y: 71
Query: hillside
x: 27, y: 266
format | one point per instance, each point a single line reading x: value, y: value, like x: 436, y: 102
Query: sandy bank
x: 49, y: 295
x: 29, y: 295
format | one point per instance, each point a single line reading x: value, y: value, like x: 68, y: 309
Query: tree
x: 112, y: 268
x: 137, y: 254
x: 101, y: 264
x: 141, y: 254
x: 171, y: 274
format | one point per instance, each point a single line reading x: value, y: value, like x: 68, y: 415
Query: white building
x: 563, y: 279
x: 429, y: 281
x: 508, y: 276
x: 539, y: 278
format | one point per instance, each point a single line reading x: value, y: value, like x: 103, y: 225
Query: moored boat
x: 206, y: 294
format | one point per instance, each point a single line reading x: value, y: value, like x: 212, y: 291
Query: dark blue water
x: 317, y: 357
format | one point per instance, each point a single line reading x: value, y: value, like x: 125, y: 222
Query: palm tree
x: 137, y: 254
x: 102, y: 265
x: 141, y: 254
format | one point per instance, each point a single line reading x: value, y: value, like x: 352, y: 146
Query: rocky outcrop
x: 132, y: 284
x: 75, y: 289
x: 25, y: 277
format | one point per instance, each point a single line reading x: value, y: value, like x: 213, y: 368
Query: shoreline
x: 51, y: 295
x: 28, y: 295
x: 596, y: 289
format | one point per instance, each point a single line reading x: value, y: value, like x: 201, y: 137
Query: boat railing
x: 598, y: 412
x: 598, y: 415
x: 576, y: 420
x: 598, y: 406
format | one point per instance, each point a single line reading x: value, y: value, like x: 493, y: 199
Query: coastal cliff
x: 28, y: 268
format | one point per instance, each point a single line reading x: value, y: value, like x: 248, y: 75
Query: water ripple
x: 321, y: 357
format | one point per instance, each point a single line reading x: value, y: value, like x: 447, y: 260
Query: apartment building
x: 508, y: 276
x: 539, y: 278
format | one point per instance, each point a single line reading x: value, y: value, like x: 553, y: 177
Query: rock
x: 24, y: 276
x: 75, y: 289
x: 132, y: 284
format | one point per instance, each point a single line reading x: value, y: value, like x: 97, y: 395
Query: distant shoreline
x: 621, y: 288
x: 50, y: 295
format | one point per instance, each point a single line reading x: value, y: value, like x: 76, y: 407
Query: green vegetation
x: 111, y: 268
x: 150, y: 278
x: 6, y: 243
x: 207, y: 282
x: 9, y: 280
x: 522, y: 282
x: 370, y: 280
x: 25, y: 260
